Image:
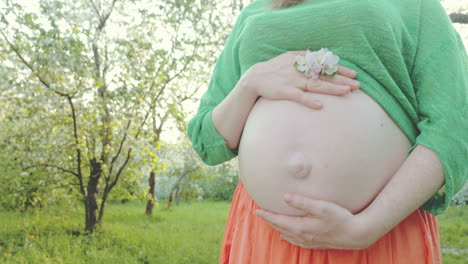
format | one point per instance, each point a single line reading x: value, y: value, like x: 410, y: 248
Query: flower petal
x: 330, y: 69
x: 316, y: 68
x: 332, y: 59
x: 302, y: 68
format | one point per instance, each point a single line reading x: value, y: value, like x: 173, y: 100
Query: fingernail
x: 257, y: 212
x: 355, y: 83
x: 288, y: 197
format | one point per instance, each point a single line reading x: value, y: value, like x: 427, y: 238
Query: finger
x: 262, y: 213
x: 313, y: 207
x: 302, y: 97
x: 303, y: 228
x: 283, y: 223
x: 341, y: 80
x: 347, y: 72
x: 323, y: 87
x: 299, y: 242
x: 281, y: 230
x: 304, y: 244
x: 293, y: 241
x: 305, y: 238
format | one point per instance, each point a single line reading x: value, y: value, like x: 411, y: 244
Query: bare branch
x: 190, y: 59
x: 120, y: 147
x: 459, y: 18
x: 106, y: 62
x: 106, y: 16
x: 150, y: 108
x: 42, y: 80
x: 63, y: 186
x: 116, y: 179
x: 170, y: 79
x: 163, y: 121
x: 77, y: 147
x: 192, y: 94
x: 184, y: 174
x: 102, y: 23
x: 50, y: 166
x: 95, y: 9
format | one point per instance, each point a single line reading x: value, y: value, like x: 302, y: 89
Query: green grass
x: 190, y: 233
x: 454, y: 234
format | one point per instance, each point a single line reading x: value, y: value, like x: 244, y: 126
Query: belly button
x: 299, y: 166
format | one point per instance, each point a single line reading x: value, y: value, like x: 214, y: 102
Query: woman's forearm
x: 420, y: 176
x: 230, y: 115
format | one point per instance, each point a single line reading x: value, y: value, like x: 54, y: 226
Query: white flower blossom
x: 318, y: 62
x: 300, y: 63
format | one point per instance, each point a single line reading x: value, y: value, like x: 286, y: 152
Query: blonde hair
x: 283, y: 3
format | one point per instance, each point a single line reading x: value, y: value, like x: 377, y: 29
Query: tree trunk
x: 150, y: 203
x: 91, y: 195
x: 180, y: 191
x: 169, y: 200
x: 176, y: 187
x: 103, y: 205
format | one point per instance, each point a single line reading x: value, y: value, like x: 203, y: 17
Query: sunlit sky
x: 173, y: 134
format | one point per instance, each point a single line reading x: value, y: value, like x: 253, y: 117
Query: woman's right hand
x: 278, y: 79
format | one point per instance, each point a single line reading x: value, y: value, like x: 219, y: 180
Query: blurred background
x: 95, y: 166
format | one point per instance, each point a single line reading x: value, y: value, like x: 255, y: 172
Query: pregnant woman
x: 348, y: 169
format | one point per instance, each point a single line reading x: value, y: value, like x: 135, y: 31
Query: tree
x: 211, y: 35
x: 103, y: 75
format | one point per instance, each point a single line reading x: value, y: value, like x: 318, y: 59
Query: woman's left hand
x: 326, y: 225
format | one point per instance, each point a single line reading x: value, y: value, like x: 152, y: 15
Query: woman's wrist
x: 246, y: 85
x: 367, y: 229
x: 247, y: 90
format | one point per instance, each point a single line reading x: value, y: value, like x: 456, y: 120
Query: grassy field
x: 190, y: 233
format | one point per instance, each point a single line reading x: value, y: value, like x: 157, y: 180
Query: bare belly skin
x: 344, y: 153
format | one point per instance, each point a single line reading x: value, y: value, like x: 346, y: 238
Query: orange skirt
x: 248, y: 239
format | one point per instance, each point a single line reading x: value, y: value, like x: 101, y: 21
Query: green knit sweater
x: 407, y: 54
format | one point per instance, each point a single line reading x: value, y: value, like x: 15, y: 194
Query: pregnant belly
x: 344, y: 153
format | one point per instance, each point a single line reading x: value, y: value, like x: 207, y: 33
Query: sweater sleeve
x: 206, y: 140
x: 440, y: 80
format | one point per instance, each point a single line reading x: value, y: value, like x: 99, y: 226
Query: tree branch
x: 459, y: 18
x: 95, y: 9
x: 184, y: 174
x: 106, y: 17
x: 116, y: 179
x: 42, y: 80
x: 50, y: 166
x: 77, y: 147
x: 156, y: 98
x: 120, y: 147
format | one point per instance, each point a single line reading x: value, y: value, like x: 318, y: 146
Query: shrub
x: 461, y: 198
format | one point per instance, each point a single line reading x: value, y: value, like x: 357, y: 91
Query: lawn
x: 190, y: 233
